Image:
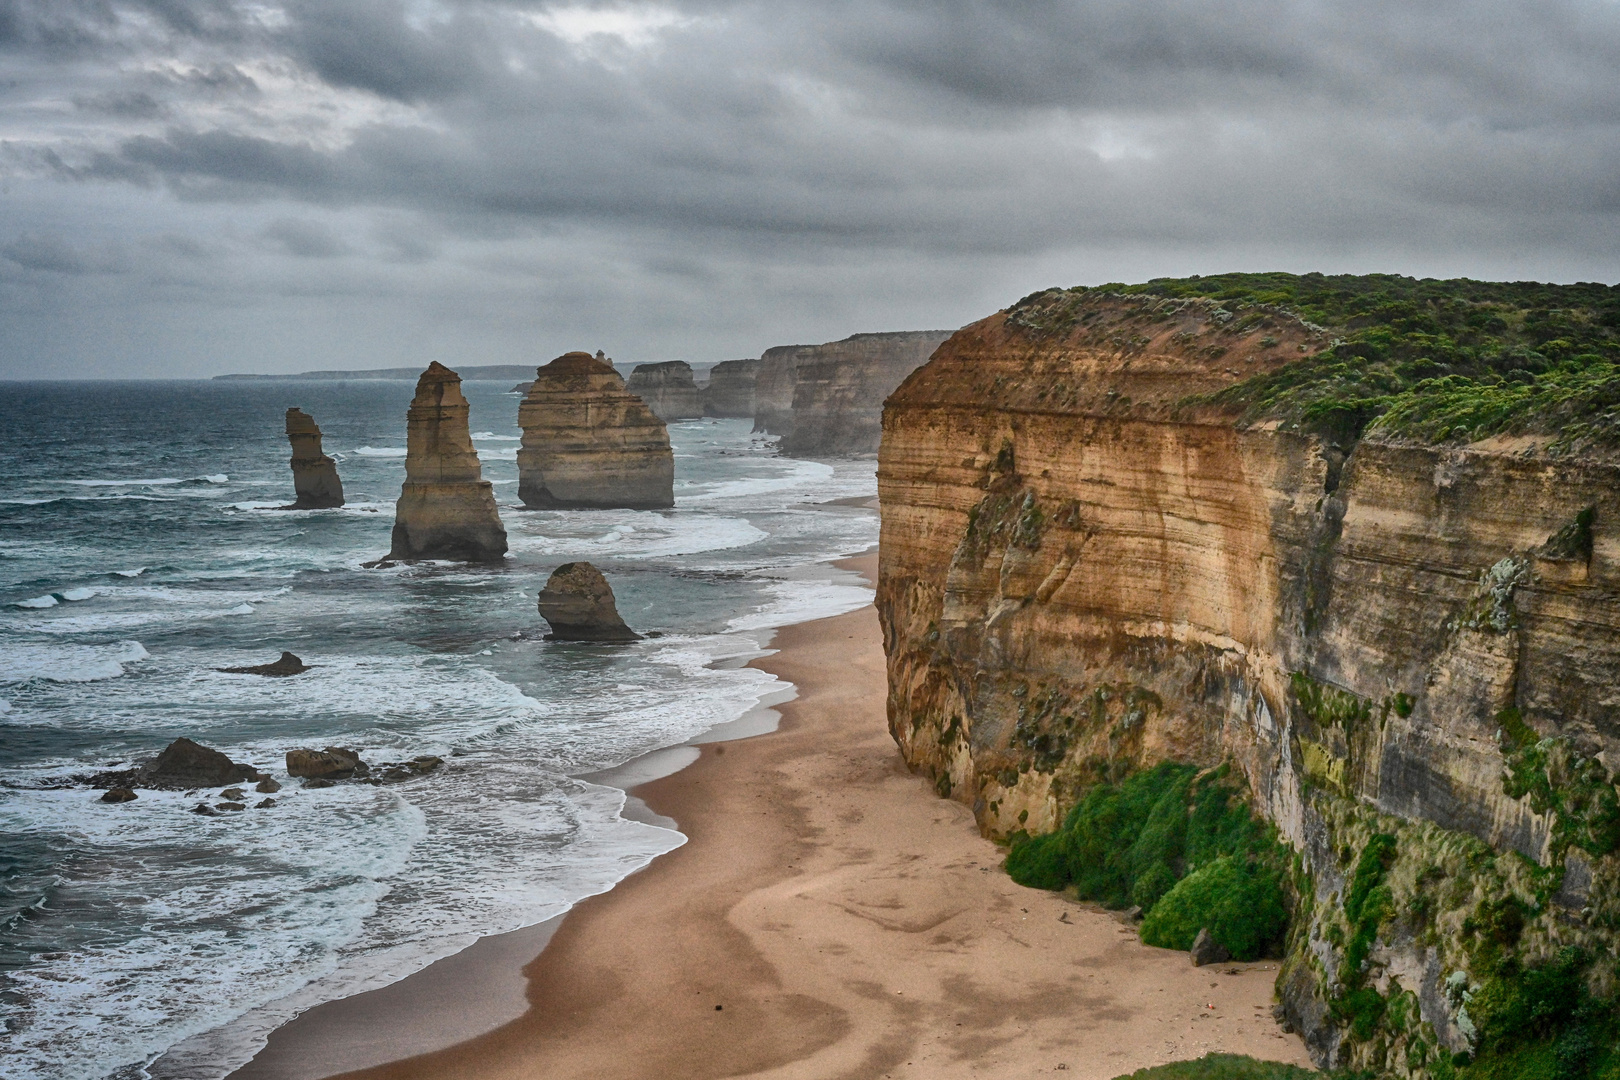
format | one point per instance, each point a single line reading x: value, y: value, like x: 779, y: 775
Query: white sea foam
x: 137, y: 572
x: 492, y: 436
x: 798, y: 474
x: 46, y: 601
x: 156, y: 482
x: 508, y: 453
x: 77, y: 594
x: 380, y: 451
x: 56, y: 662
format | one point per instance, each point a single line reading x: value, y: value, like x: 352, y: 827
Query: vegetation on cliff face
x: 1435, y: 361
x: 1223, y: 1067
x: 1181, y: 845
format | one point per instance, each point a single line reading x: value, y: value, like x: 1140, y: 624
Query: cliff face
x: 827, y: 400
x: 446, y: 508
x: 315, y: 478
x: 1079, y: 575
x: 668, y: 390
x: 731, y: 389
x: 588, y: 443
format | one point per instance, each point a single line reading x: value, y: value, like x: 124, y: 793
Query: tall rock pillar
x: 588, y: 443
x: 446, y: 508
x: 315, y: 480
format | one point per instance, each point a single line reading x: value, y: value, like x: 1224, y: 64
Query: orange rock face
x: 588, y: 443
x: 315, y: 478
x: 1083, y: 571
x: 446, y: 508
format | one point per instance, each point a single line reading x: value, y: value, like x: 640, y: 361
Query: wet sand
x: 830, y: 916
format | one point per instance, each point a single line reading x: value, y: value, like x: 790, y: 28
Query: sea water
x: 142, y: 549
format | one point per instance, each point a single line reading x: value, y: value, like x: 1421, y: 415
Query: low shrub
x: 1238, y: 901
x: 1224, y: 1067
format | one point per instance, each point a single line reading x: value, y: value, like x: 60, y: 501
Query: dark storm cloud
x: 720, y: 144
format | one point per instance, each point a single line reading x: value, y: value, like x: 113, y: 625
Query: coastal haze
x: 197, y: 187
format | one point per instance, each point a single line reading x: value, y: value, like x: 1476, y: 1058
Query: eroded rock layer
x: 730, y: 392
x: 588, y: 443
x: 315, y: 479
x: 827, y: 400
x: 668, y: 389
x: 1082, y: 573
x: 446, y: 508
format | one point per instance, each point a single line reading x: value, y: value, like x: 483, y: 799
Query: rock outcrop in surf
x: 446, y: 508
x: 730, y: 392
x: 588, y: 443
x: 288, y: 664
x: 578, y: 602
x: 315, y: 478
x: 186, y: 764
x: 668, y: 389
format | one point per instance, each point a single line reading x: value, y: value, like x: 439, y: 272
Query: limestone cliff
x: 1088, y: 563
x: 730, y: 391
x: 446, y: 508
x: 668, y: 389
x: 315, y: 479
x: 827, y: 400
x: 588, y: 443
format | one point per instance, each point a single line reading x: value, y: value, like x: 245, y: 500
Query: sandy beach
x: 830, y: 916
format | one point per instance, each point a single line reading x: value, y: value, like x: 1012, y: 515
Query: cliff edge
x: 1124, y: 527
x: 668, y: 389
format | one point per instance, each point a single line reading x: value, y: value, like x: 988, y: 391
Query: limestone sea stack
x: 578, y: 603
x: 730, y: 392
x: 446, y: 508
x: 668, y: 389
x: 315, y: 479
x: 588, y: 443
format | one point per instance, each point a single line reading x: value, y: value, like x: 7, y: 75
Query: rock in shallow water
x: 185, y: 764
x: 333, y: 763
x: 267, y: 786
x: 287, y: 665
x: 578, y: 603
x: 118, y: 794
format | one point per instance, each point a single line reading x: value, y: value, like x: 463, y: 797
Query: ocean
x: 141, y: 550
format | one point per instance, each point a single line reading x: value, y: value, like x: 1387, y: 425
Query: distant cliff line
x: 489, y: 372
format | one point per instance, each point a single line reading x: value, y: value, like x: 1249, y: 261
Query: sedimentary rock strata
x: 1084, y: 570
x: 315, y: 478
x: 446, y: 508
x: 730, y: 392
x: 588, y: 443
x: 668, y: 389
x: 827, y: 400
x: 578, y: 604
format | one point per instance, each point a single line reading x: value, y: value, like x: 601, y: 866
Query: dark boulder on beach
x: 287, y: 665
x: 185, y: 764
x: 333, y: 763
x: 578, y: 603
x: 118, y: 794
x: 1206, y: 950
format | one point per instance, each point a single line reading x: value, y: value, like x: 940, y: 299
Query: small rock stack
x: 315, y: 479
x: 446, y: 508
x: 578, y: 603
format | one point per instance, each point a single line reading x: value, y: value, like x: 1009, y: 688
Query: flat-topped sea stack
x: 827, y: 400
x: 315, y: 479
x: 578, y: 603
x: 730, y: 392
x: 590, y: 444
x: 668, y: 389
x: 446, y: 508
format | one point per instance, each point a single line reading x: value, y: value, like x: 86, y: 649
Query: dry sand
x: 832, y: 917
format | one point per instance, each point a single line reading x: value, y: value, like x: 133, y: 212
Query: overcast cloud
x: 189, y: 187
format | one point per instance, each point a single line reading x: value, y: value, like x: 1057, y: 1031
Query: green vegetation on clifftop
x: 1430, y: 360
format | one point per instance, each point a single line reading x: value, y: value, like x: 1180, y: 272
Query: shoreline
x: 830, y: 915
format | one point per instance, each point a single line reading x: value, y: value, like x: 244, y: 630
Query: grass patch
x: 1224, y: 1067
x: 1167, y: 836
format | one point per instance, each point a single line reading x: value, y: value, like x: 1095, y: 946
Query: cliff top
x: 1396, y: 358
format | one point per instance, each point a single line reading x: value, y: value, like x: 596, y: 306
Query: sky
x: 194, y: 187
